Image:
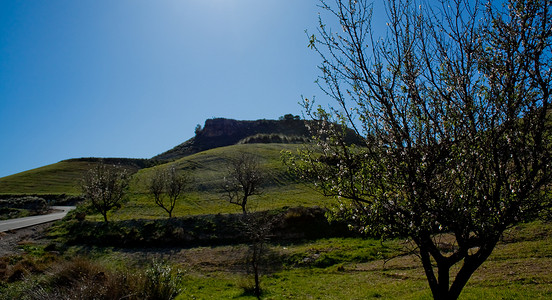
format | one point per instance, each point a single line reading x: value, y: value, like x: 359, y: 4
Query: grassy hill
x: 206, y: 169
x: 59, y: 178
x: 203, y: 158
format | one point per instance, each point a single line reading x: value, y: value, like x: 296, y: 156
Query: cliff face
x: 222, y: 132
x: 222, y: 127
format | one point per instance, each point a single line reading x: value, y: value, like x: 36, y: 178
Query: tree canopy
x: 453, y: 105
x: 104, y: 187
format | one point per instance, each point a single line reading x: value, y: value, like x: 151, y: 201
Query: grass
x: 82, y: 278
x: 519, y: 268
x: 205, y: 196
x: 59, y: 178
x: 12, y: 213
x: 55, y: 178
x: 141, y: 205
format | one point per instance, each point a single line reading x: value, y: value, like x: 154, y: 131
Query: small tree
x: 104, y: 187
x: 243, y: 179
x: 166, y: 186
x: 197, y: 129
x: 258, y: 227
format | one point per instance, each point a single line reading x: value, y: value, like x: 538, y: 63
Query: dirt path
x: 11, y: 240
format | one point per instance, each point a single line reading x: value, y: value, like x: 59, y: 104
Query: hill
x: 203, y: 158
x: 222, y: 132
x: 207, y: 170
x: 60, y: 178
x: 63, y: 177
x: 204, y: 196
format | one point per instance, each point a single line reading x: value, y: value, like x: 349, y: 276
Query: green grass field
x: 519, y: 268
x: 60, y: 178
x: 329, y: 268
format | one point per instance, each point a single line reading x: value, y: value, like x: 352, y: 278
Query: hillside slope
x: 64, y: 177
x: 204, y: 196
x: 60, y: 178
x: 207, y: 170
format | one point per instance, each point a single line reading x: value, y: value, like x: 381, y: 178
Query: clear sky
x: 132, y: 78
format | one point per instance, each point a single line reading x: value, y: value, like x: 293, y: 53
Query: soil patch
x: 10, y: 240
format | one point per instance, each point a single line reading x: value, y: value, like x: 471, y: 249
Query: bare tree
x: 104, y: 187
x: 243, y: 179
x: 258, y: 228
x: 453, y: 104
x: 167, y: 186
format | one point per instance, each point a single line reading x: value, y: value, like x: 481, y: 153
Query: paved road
x: 35, y: 220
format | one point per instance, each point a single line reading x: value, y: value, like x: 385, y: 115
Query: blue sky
x: 132, y: 78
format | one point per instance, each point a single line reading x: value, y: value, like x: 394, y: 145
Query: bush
x: 271, y: 138
x: 22, y: 206
x: 203, y: 230
x: 81, y: 278
x: 27, y: 202
x: 162, y: 282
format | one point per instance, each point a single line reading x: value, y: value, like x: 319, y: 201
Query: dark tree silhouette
x: 453, y: 104
x: 258, y: 228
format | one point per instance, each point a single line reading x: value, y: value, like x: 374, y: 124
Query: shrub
x: 162, y: 282
x: 81, y: 278
x: 22, y: 206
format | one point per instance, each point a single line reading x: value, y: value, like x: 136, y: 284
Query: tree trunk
x: 255, y: 264
x: 430, y: 274
x: 440, y: 287
x: 471, y: 263
x: 443, y: 270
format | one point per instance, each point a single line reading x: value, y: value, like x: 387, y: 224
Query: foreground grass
x: 519, y: 268
x: 329, y: 268
x: 351, y: 268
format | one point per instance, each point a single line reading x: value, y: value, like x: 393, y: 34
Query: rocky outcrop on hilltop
x: 222, y: 132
